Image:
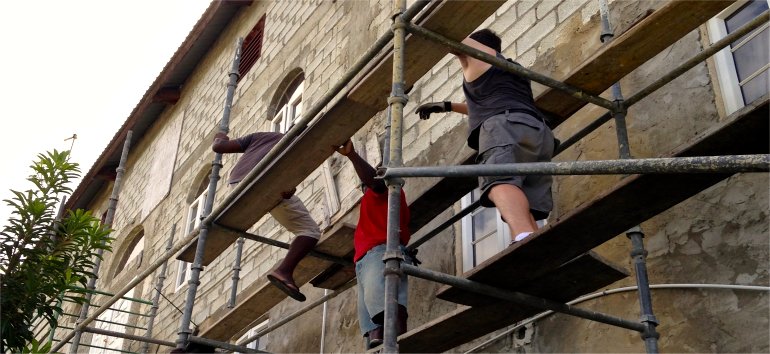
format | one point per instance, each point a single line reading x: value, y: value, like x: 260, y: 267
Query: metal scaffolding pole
x: 113, y: 203
x: 668, y: 165
x: 236, y: 272
x: 510, y: 67
x: 469, y: 209
x: 197, y: 266
x: 145, y: 339
x: 519, y: 298
x: 635, y: 234
x: 156, y: 296
x: 393, y: 256
x: 692, y: 62
x: 284, y: 245
x: 300, y: 312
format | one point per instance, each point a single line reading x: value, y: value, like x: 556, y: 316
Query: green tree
x: 43, y: 258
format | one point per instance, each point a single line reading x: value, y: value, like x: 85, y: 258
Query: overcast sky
x: 78, y: 67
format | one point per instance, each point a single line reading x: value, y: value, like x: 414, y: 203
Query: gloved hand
x: 433, y: 107
x: 413, y: 255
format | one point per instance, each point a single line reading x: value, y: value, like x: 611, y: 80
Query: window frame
x: 196, y: 207
x: 502, y: 232
x: 289, y: 112
x: 727, y: 74
x: 259, y: 343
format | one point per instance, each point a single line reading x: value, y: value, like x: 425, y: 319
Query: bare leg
x: 514, y: 208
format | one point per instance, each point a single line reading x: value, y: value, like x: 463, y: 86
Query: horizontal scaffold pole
x: 449, y: 222
x: 510, y: 67
x: 519, y: 298
x: 284, y: 245
x: 105, y: 332
x: 300, y: 312
x: 692, y: 62
x: 671, y: 165
x: 223, y: 345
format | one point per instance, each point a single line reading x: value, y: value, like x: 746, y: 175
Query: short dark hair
x: 488, y: 38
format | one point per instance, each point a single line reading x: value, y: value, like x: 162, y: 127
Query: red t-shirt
x: 373, y: 222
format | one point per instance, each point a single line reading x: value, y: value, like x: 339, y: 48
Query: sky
x: 78, y: 67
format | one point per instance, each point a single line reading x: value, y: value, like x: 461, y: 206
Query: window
x: 291, y: 108
x: 251, y: 49
x: 742, y: 67
x: 132, y: 257
x: 259, y: 343
x: 194, y: 217
x: 484, y: 233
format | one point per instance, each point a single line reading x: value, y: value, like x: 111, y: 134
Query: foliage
x: 42, y: 258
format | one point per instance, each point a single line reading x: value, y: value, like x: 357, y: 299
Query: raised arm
x: 223, y: 145
x: 364, y: 170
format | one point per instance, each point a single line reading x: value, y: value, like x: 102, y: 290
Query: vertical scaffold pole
x: 236, y: 272
x: 635, y: 234
x: 156, y: 296
x: 224, y: 127
x: 393, y: 256
x: 108, y: 222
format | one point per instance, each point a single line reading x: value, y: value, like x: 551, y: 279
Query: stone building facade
x: 720, y: 236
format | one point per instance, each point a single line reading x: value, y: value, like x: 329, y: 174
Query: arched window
x: 289, y: 104
x: 131, y: 257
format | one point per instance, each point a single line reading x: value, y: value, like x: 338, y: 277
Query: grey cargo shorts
x: 514, y: 137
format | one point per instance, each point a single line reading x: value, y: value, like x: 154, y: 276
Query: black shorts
x: 511, y: 138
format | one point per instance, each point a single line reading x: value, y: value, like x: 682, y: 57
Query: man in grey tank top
x: 505, y: 126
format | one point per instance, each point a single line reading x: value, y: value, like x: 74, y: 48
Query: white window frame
x: 259, y: 343
x: 289, y: 112
x: 503, y: 233
x: 194, y: 215
x: 732, y: 96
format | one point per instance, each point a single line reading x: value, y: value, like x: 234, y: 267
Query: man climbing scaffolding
x: 290, y: 212
x: 505, y: 126
x: 369, y: 244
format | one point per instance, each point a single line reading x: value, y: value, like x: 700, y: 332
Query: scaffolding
x: 688, y: 163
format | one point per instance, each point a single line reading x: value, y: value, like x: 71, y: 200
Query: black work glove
x: 413, y: 255
x: 433, y: 107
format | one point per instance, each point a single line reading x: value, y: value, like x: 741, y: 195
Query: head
x: 488, y: 38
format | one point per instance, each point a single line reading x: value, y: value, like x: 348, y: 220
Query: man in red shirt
x: 369, y: 242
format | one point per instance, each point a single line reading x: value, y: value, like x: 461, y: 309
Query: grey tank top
x: 493, y: 93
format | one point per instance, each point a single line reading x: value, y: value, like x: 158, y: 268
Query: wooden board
x: 631, y: 202
x: 628, y: 51
x: 581, y: 276
x: 344, y: 119
x: 261, y: 296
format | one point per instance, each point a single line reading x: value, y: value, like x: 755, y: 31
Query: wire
x: 172, y: 304
x: 615, y: 291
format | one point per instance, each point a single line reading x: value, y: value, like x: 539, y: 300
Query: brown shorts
x: 511, y: 138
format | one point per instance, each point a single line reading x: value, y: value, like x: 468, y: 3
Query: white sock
x: 521, y: 236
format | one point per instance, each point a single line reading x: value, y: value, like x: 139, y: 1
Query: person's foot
x: 520, y: 237
x: 375, y: 337
x: 286, y: 285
